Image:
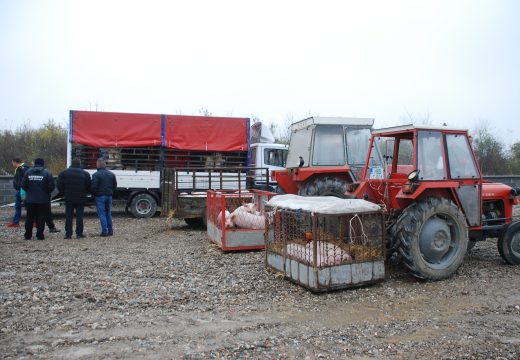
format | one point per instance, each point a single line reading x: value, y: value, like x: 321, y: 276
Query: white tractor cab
x: 266, y: 154
x: 325, y: 154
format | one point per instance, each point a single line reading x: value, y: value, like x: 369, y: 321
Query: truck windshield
x: 357, y: 145
x: 275, y: 157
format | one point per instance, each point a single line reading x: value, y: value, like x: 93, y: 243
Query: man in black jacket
x: 74, y: 184
x: 19, y: 172
x: 103, y: 185
x: 38, y: 184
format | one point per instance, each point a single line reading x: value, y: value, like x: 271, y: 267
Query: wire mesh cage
x: 326, y: 251
x: 236, y: 219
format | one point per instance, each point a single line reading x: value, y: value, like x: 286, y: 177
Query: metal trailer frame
x: 183, y: 190
x: 234, y: 239
x: 308, y: 272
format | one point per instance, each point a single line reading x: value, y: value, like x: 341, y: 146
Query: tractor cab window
x: 460, y: 157
x: 275, y: 157
x: 357, y: 145
x: 329, y: 147
x: 376, y: 165
x: 430, y: 156
x: 405, y: 153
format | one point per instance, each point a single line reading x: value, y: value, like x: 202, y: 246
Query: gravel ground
x: 155, y: 291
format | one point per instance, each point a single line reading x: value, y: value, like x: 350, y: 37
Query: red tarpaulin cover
x: 205, y: 133
x: 108, y: 129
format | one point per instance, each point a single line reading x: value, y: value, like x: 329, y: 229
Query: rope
x: 352, y: 233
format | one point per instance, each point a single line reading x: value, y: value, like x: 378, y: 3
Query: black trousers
x: 35, y: 213
x: 48, y: 217
x: 79, y: 208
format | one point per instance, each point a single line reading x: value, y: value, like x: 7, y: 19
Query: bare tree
x: 514, y: 158
x: 489, y: 150
x: 282, y: 132
x: 254, y: 119
x: 416, y: 119
x: 204, y: 112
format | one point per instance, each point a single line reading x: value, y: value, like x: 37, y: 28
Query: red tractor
x: 429, y: 183
x: 314, y: 165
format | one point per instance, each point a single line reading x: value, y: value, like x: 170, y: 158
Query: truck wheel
x: 509, y: 244
x: 324, y: 186
x: 433, y: 238
x: 143, y: 206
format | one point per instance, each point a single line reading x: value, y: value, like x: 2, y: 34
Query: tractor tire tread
x: 407, y: 229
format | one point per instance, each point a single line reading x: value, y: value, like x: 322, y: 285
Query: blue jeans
x: 17, y: 208
x: 104, y: 211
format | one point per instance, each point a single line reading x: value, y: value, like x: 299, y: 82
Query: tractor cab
x: 325, y: 153
x: 429, y: 183
x: 422, y: 161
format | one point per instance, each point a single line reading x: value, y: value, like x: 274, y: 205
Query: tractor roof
x: 332, y: 121
x: 410, y: 128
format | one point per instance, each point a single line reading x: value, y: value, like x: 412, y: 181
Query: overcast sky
x: 452, y: 61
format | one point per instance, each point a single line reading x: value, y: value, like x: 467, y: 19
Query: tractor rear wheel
x: 509, y: 244
x: 324, y: 186
x: 432, y: 238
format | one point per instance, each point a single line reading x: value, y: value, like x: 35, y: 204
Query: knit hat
x: 39, y: 162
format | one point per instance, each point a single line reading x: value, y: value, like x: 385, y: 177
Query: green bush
x: 49, y: 142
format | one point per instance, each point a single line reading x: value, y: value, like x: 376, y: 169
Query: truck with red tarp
x: 206, y: 152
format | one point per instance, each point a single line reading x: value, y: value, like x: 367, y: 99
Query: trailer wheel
x: 143, y: 206
x: 194, y: 222
x: 324, y: 186
x: 432, y: 238
x: 509, y: 244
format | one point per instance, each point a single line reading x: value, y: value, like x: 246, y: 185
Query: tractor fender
x: 430, y: 189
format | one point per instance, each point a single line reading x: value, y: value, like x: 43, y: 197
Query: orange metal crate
x: 231, y: 228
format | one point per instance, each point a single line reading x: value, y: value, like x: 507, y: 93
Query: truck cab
x: 267, y: 156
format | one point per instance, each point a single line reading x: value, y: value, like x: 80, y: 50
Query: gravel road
x: 160, y: 291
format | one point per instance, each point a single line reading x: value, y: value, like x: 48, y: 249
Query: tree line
x: 49, y: 141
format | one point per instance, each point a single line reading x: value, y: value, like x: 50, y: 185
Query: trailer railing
x: 181, y: 183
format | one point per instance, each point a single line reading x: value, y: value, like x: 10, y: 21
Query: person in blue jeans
x: 103, y: 185
x: 19, y: 172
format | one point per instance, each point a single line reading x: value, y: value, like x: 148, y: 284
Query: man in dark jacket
x: 74, y: 184
x: 103, y: 185
x: 19, y: 172
x: 38, y: 184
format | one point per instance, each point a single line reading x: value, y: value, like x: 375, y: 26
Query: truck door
x: 271, y: 158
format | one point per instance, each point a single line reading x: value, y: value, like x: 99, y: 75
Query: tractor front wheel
x: 324, y: 186
x: 509, y: 244
x: 433, y: 238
